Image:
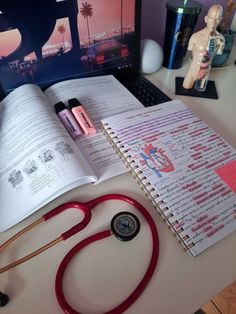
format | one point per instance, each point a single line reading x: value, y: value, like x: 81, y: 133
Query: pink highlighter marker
x: 81, y: 116
x: 68, y: 120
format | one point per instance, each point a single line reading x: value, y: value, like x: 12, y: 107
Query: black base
x: 210, y: 91
x: 3, y: 299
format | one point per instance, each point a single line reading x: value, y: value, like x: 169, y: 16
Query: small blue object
x: 220, y: 60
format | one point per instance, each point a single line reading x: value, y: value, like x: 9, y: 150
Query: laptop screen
x: 44, y: 42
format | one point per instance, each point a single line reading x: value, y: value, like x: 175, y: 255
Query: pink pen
x: 68, y: 120
x: 81, y: 116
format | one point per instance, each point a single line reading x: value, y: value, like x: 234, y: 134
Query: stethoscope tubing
x: 87, y: 208
x: 101, y: 235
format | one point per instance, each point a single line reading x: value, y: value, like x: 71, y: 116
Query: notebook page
x: 192, y: 170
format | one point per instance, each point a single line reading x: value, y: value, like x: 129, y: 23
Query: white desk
x: 180, y: 285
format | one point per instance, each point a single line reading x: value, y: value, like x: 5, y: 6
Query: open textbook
x: 186, y: 169
x: 39, y: 160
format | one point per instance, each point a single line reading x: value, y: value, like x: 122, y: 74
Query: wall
x: 154, y: 16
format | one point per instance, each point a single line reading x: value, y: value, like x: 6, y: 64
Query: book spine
x: 145, y: 185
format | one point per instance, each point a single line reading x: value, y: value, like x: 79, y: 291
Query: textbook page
x: 101, y: 97
x: 187, y: 169
x: 39, y: 160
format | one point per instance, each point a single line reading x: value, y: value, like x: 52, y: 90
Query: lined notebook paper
x: 186, y: 169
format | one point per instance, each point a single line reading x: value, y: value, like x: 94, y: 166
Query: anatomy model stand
x: 204, y: 45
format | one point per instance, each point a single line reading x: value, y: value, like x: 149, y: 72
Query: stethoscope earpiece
x: 3, y: 299
x: 124, y: 225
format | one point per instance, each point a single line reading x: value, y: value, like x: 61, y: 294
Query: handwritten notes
x: 188, y: 169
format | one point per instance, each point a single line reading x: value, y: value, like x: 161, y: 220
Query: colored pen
x: 81, y: 116
x: 68, y: 120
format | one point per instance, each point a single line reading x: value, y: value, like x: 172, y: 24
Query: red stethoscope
x: 124, y: 225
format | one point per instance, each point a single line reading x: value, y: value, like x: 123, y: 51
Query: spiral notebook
x: 186, y: 169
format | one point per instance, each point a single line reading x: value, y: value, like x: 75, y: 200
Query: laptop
x: 44, y: 42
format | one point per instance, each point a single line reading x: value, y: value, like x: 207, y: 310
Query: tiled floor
x: 223, y: 303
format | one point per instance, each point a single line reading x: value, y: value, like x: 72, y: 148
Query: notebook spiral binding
x: 146, y: 187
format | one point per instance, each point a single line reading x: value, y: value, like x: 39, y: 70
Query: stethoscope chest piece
x: 125, y: 226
